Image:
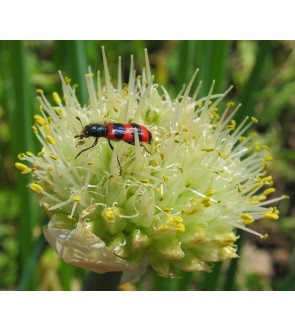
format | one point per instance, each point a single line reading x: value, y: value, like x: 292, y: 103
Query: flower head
x: 174, y: 203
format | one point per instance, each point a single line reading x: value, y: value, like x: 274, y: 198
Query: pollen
x: 271, y: 215
x: 39, y: 119
x: 21, y: 156
x: 207, y: 149
x: 269, y: 191
x: 36, y: 187
x: 50, y: 139
x: 164, y: 228
x: 246, y: 216
x: 77, y: 198
x: 255, y: 120
x: 20, y: 166
x: 230, y: 104
x: 206, y: 201
x: 56, y: 98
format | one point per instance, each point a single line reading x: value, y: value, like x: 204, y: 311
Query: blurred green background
x: 263, y: 75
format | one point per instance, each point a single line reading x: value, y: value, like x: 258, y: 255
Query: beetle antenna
x: 79, y: 121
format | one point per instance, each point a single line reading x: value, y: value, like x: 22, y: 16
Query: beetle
x: 114, y: 132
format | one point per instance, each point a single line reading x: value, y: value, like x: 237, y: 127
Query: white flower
x: 174, y: 203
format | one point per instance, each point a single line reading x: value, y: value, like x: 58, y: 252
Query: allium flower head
x: 174, y: 204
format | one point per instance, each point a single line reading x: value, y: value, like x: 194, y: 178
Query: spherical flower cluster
x: 173, y: 204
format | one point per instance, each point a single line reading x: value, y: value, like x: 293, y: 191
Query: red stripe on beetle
x: 128, y: 133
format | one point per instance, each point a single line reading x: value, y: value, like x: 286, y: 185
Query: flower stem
x: 102, y: 282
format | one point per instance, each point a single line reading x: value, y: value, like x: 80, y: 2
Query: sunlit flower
x: 174, y: 204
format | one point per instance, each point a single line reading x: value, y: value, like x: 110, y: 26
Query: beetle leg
x: 92, y: 146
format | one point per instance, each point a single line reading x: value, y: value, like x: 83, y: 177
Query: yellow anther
x: 255, y: 120
x: 268, y: 157
x: 89, y: 164
x: 242, y: 138
x: 252, y: 134
x: 20, y: 166
x: 255, y: 202
x: 35, y: 187
x: 67, y: 80
x: 267, y: 179
x: 163, y: 228
x: 210, y: 192
x: 240, y: 189
x: 40, y: 153
x: 214, y: 113
x: 89, y: 75
x: 177, y: 220
x: 269, y: 191
x: 41, y: 108
x: 34, y: 129
x: 248, y: 219
x: 265, y: 236
x: 45, y: 128
x: 50, y: 168
x: 53, y: 157
x: 255, y: 185
x: 71, y: 218
x: 39, y: 119
x: 110, y: 214
x: 77, y: 198
x: 40, y: 91
x: 199, y: 104
x: 50, y: 139
x: 144, y: 181
x: 232, y: 125
x: 257, y: 147
x: 180, y: 228
x: 223, y: 156
x: 20, y: 156
x: 165, y: 178
x: 275, y: 210
x: 166, y: 209
x: 207, y: 149
x: 174, y: 219
x: 286, y: 196
x: 206, y: 201
x: 158, y: 190
x: 262, y: 198
x: 56, y: 98
x: 29, y: 153
x: 270, y: 215
x: 189, y: 183
x: 230, y: 104
x: 75, y: 85
x: 266, y: 147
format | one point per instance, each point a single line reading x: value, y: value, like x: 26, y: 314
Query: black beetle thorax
x: 95, y: 130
